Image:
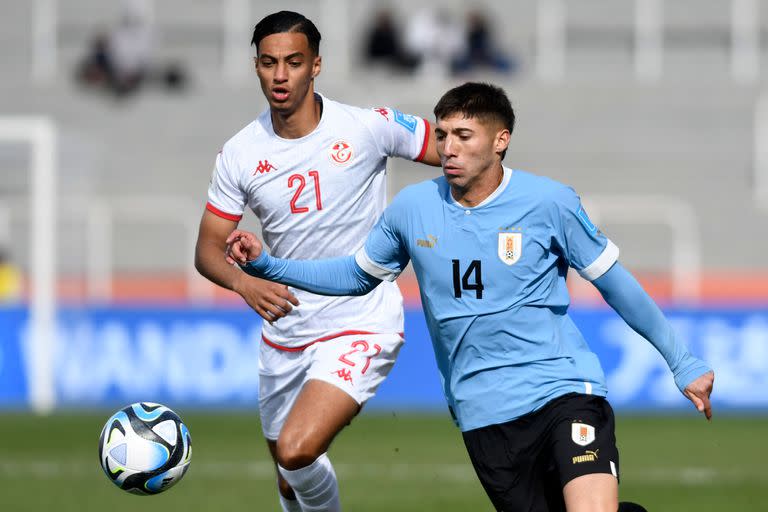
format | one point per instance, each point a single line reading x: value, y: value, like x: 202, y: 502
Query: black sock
x: 626, y: 506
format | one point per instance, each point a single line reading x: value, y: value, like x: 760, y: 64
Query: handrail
x: 551, y: 41
x: 745, y: 41
x: 5, y: 224
x: 235, y: 51
x: 45, y: 47
x: 673, y: 212
x: 649, y: 40
x: 99, y: 215
x: 760, y: 151
x: 103, y: 213
x: 46, y: 25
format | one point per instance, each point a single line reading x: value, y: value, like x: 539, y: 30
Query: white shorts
x: 356, y: 364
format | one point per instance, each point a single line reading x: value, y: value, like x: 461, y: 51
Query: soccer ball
x: 145, y: 448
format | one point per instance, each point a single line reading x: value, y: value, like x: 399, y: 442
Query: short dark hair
x: 478, y: 100
x: 287, y: 21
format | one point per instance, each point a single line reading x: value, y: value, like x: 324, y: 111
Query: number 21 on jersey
x: 299, y: 181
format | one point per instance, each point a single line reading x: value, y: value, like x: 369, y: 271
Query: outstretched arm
x: 337, y: 276
x: 625, y: 295
x: 270, y: 300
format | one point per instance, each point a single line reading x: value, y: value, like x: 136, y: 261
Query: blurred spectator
x: 435, y: 39
x: 480, y: 50
x: 10, y: 279
x: 383, y: 44
x: 120, y: 60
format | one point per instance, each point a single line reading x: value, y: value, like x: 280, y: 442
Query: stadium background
x: 650, y: 109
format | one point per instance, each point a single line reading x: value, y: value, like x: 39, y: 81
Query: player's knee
x: 295, y: 452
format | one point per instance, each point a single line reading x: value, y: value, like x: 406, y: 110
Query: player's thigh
x: 596, y: 492
x: 357, y: 365
x: 512, y: 465
x: 281, y: 376
x: 344, y: 373
x: 584, y: 444
x: 320, y: 412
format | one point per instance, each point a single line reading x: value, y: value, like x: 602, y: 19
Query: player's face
x: 469, y: 148
x: 286, y: 67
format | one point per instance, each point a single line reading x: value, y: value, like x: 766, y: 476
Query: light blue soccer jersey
x: 492, y: 281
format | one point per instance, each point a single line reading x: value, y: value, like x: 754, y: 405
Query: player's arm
x: 336, y: 276
x: 383, y: 257
x: 430, y: 156
x: 595, y: 257
x: 626, y: 296
x: 402, y: 135
x: 270, y: 300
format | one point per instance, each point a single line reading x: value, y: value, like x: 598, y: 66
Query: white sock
x: 316, y: 487
x: 289, y: 505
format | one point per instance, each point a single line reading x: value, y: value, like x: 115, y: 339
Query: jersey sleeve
x: 226, y: 197
x: 397, y: 134
x: 385, y: 255
x: 333, y: 277
x: 583, y: 245
x: 625, y: 295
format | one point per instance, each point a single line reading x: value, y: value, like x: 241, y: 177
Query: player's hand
x: 270, y: 300
x: 698, y: 392
x: 242, y: 247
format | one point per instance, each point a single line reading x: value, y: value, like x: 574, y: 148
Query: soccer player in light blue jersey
x: 491, y: 248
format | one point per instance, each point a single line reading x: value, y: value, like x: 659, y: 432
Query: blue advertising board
x: 209, y: 358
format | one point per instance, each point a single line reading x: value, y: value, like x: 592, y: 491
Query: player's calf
x: 316, y: 486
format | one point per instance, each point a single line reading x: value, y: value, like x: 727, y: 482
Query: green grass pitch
x: 385, y: 462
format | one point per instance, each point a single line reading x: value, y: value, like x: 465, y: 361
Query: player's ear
x: 316, y: 65
x: 502, y: 140
x: 256, y: 62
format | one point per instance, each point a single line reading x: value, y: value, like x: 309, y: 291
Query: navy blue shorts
x: 525, y: 463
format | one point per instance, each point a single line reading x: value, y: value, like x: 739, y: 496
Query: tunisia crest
x: 341, y: 152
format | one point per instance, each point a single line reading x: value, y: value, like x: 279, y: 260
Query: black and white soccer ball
x: 145, y: 448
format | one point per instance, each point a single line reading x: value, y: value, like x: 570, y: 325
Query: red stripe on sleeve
x: 426, y: 141
x: 223, y: 215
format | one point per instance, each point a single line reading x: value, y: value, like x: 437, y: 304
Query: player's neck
x: 300, y: 122
x: 479, y: 189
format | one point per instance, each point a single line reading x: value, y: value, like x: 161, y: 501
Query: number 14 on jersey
x: 461, y: 282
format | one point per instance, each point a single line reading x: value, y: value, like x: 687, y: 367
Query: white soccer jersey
x: 318, y: 197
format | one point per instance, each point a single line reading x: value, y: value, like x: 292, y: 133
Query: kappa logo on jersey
x: 341, y: 152
x: 344, y: 374
x: 407, y: 121
x: 510, y: 247
x: 263, y: 167
x: 582, y: 434
x: 383, y: 111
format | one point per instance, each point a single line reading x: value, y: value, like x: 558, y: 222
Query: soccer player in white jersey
x: 491, y: 248
x: 313, y: 172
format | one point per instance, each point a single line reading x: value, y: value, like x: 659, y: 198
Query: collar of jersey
x: 502, y: 186
x: 323, y: 115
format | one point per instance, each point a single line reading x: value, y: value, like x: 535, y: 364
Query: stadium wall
x: 207, y: 358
